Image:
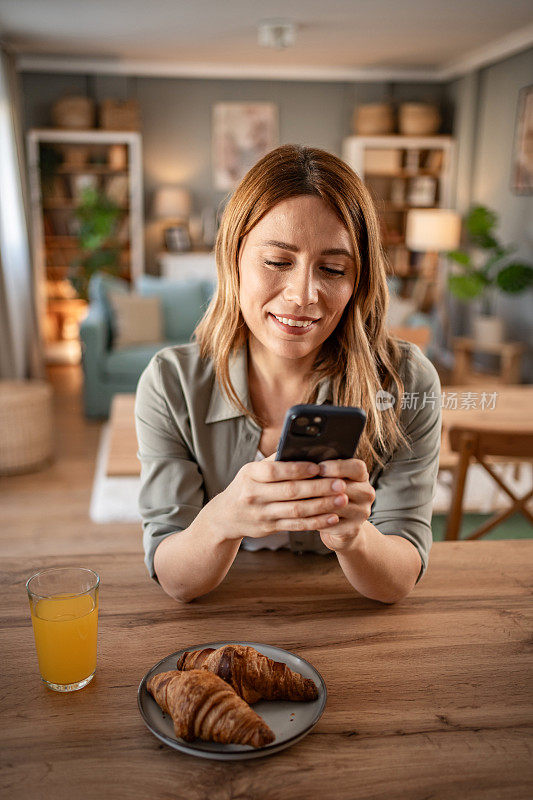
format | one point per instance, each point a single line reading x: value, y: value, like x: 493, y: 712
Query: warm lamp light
x: 172, y: 202
x: 433, y: 230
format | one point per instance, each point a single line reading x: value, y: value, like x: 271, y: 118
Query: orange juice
x: 65, y: 628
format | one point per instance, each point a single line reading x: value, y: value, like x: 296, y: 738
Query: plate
x: 289, y: 721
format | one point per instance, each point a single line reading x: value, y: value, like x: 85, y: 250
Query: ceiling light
x: 276, y: 33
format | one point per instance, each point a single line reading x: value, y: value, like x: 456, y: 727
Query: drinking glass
x: 64, y: 614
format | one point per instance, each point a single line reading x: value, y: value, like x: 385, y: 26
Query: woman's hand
x: 269, y: 496
x: 358, y: 495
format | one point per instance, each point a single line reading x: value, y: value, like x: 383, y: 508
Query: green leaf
x: 480, y: 221
x: 460, y: 257
x: 515, y: 278
x: 467, y: 287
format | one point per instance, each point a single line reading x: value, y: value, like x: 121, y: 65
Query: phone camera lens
x: 302, y: 421
x: 312, y: 430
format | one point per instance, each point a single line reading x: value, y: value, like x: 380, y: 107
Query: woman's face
x: 297, y: 273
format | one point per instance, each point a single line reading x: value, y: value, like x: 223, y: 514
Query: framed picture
x: 242, y: 134
x: 522, y: 170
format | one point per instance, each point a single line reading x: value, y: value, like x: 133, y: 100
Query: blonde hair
x: 360, y: 357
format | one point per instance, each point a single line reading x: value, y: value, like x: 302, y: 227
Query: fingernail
x: 333, y: 520
x: 322, y: 468
x: 338, y: 486
x: 339, y: 501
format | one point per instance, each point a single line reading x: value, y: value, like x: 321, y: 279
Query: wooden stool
x: 510, y: 359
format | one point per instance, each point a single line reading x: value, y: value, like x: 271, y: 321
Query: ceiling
x: 334, y: 37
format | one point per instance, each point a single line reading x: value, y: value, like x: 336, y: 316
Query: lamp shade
x: 432, y: 230
x: 172, y: 202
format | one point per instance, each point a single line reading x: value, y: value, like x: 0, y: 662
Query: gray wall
x: 487, y: 104
x: 480, y: 109
x: 176, y: 120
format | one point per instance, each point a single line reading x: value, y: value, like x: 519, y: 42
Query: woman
x: 298, y: 316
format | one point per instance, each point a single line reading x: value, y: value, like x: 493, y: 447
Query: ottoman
x: 25, y: 425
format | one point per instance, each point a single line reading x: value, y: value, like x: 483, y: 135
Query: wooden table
x: 512, y: 409
x: 429, y: 698
x: 510, y: 412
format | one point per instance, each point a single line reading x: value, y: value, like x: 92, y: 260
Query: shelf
x: 90, y: 160
x: 53, y: 241
x: 72, y: 304
x: 68, y: 205
x: 392, y: 166
x: 89, y: 169
x: 387, y: 205
x: 403, y: 173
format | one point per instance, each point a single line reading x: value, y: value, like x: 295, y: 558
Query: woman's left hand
x: 359, y: 496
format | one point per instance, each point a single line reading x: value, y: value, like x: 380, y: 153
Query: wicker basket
x: 120, y: 116
x: 373, y: 119
x: 25, y: 426
x: 418, y: 119
x: 73, y: 112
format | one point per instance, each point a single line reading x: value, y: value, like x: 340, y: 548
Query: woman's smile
x: 294, y: 326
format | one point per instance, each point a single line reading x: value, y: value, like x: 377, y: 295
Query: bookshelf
x: 403, y: 172
x: 62, y: 163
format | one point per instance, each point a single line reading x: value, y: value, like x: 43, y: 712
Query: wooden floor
x: 46, y: 513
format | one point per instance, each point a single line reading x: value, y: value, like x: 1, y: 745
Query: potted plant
x: 485, y: 268
x: 97, y: 216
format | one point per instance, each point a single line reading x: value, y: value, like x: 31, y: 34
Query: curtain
x: 20, y: 342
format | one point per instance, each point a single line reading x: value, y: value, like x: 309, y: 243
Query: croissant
x: 203, y: 706
x: 252, y: 675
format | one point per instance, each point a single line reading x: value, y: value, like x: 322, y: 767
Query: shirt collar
x: 221, y: 408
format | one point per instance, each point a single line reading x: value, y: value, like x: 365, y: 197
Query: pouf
x: 25, y: 425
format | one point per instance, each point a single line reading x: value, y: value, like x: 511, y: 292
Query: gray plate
x: 289, y: 721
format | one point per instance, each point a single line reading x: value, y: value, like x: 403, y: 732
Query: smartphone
x: 320, y: 432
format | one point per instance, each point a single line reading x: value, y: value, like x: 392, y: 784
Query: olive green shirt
x: 193, y: 441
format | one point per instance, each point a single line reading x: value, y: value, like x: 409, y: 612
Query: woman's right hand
x: 270, y: 496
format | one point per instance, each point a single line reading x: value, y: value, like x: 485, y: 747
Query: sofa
x: 107, y: 370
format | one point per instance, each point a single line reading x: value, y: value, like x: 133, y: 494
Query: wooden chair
x: 477, y: 446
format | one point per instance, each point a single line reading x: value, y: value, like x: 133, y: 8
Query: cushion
x: 183, y: 303
x: 136, y: 319
x: 126, y: 365
x: 101, y: 286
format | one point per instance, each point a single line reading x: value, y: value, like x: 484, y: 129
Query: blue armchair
x: 107, y: 371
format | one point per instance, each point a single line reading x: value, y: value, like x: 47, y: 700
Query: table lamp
x: 173, y: 204
x: 432, y: 231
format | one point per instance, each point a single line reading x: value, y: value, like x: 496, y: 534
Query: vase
x: 487, y: 329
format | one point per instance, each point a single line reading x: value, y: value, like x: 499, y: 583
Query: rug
x: 114, y: 499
